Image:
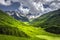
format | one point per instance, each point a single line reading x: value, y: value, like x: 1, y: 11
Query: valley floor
x: 35, y: 33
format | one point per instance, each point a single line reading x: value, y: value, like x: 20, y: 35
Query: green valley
x: 12, y: 29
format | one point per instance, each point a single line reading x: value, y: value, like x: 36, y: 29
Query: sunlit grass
x: 34, y: 33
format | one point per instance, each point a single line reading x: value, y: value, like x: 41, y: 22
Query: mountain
x: 49, y: 21
x: 17, y: 15
x: 12, y: 29
x: 35, y: 7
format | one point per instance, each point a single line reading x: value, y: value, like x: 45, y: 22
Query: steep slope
x: 9, y: 26
x: 49, y: 21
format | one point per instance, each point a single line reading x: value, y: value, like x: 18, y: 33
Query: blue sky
x: 13, y: 6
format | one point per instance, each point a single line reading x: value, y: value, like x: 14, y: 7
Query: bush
x: 55, y: 30
x: 14, y: 31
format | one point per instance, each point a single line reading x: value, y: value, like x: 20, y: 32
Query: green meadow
x: 46, y: 27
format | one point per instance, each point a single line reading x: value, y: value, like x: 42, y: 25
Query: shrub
x: 53, y: 29
x: 14, y: 31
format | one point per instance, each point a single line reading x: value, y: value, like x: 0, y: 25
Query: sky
x: 30, y: 6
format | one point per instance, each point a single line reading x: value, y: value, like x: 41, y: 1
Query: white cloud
x: 49, y: 0
x: 35, y: 6
x: 24, y: 10
x: 5, y: 3
x: 38, y: 6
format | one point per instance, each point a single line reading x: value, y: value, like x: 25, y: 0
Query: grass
x: 35, y: 34
x: 10, y: 28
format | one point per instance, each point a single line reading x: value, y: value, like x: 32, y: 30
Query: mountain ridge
x: 49, y: 22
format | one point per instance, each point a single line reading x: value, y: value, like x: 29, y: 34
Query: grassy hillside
x: 12, y: 29
x: 49, y: 21
x: 10, y: 26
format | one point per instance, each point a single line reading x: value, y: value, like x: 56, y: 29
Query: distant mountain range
x: 30, y: 8
x: 18, y: 15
